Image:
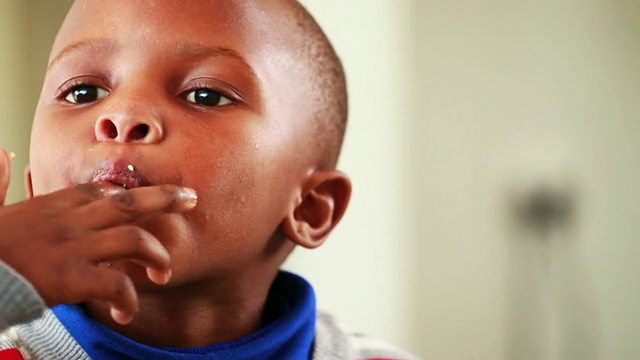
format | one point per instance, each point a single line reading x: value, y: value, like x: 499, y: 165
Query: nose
x: 129, y: 125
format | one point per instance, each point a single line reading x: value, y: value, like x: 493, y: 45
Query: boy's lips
x: 118, y: 172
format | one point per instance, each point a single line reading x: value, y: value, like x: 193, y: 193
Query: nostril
x: 139, y: 132
x: 110, y: 129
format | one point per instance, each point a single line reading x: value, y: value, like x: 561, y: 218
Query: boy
x: 146, y: 104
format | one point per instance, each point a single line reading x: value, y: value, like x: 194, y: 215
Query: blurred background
x: 494, y: 148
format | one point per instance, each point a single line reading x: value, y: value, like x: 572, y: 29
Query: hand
x: 58, y: 241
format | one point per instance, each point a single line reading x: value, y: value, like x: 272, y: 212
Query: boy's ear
x: 323, y: 201
x: 28, y: 185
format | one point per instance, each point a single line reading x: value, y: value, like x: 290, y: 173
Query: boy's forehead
x: 227, y: 23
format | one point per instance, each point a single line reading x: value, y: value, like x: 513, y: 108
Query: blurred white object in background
x: 551, y: 301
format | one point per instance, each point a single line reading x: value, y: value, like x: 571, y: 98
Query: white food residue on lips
x: 130, y: 167
x: 12, y: 155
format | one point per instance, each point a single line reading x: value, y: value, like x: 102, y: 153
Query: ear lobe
x: 324, y: 200
x: 28, y: 184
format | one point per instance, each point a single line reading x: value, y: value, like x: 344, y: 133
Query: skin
x: 243, y: 151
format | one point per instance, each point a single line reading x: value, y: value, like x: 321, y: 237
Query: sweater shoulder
x: 19, y: 301
x: 334, y: 341
x: 43, y: 338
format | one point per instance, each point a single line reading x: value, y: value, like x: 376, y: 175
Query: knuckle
x: 67, y: 281
x: 124, y: 201
x: 123, y: 198
x: 137, y: 239
x: 120, y: 286
x: 168, y: 189
x: 170, y: 193
x: 132, y: 232
x: 91, y: 191
x: 63, y: 232
x: 110, y: 287
x: 60, y: 234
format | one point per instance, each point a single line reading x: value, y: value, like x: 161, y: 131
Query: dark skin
x: 192, y: 94
x: 69, y: 238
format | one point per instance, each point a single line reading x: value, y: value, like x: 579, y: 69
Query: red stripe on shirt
x: 11, y: 354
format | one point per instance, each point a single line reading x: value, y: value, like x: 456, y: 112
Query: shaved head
x: 327, y: 84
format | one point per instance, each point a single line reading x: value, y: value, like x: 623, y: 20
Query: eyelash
x: 197, y: 87
x: 75, y: 84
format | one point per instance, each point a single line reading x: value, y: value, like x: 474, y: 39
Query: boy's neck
x: 190, y: 316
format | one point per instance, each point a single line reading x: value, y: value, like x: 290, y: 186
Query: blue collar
x: 287, y: 333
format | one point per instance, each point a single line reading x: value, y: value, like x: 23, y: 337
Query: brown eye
x: 85, y: 94
x: 208, y: 97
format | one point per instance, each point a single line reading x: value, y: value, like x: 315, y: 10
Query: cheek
x: 53, y: 153
x: 49, y: 172
x: 242, y: 195
x: 227, y: 192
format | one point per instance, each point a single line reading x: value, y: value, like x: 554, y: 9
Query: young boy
x: 146, y: 104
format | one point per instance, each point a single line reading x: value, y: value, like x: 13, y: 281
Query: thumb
x: 5, y: 173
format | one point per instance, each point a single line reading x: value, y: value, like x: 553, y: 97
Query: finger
x: 129, y: 243
x: 121, y: 317
x: 5, y: 174
x: 100, y: 283
x: 78, y: 196
x: 116, y: 289
x: 129, y: 205
x: 159, y: 276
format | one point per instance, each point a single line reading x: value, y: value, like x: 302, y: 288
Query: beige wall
x: 14, y: 108
x: 516, y: 95
x: 474, y: 108
x: 365, y: 271
x: 27, y: 28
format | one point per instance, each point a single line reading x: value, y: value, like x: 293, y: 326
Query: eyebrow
x: 101, y: 45
x: 196, y: 49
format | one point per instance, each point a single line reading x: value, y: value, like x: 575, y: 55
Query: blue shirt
x: 287, y: 331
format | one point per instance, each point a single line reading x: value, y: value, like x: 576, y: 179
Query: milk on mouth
x: 118, y: 174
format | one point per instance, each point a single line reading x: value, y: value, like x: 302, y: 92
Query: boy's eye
x: 207, y: 97
x: 85, y: 94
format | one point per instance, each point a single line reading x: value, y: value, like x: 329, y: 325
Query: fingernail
x: 120, y: 317
x: 164, y: 278
x: 188, y: 196
x: 159, y: 276
x: 167, y: 276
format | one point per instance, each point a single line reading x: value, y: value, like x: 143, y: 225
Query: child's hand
x: 59, y: 240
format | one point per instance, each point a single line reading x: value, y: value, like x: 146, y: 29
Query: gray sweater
x: 27, y: 324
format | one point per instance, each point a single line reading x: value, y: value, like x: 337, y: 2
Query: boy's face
x: 191, y: 93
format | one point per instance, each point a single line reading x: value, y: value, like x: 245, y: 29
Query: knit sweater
x: 35, y: 331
